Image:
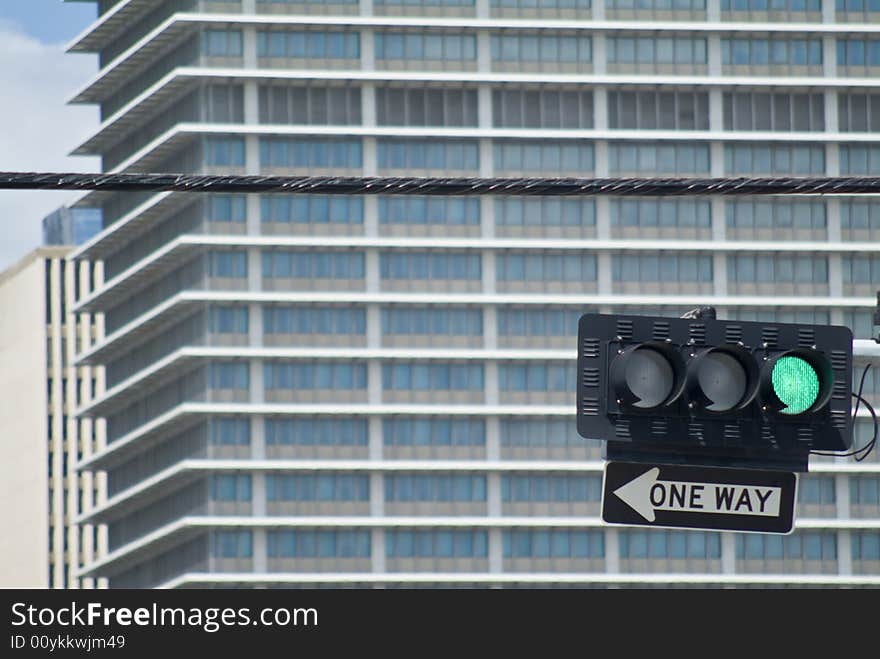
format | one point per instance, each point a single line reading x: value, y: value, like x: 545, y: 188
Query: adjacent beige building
x: 40, y: 439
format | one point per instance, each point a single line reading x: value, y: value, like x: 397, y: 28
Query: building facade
x: 71, y: 226
x: 41, y: 440
x: 379, y: 390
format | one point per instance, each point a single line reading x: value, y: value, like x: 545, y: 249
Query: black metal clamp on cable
x: 701, y: 313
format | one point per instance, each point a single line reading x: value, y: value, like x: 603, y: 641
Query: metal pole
x: 866, y: 349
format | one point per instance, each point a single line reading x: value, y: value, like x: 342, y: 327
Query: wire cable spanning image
x: 439, y: 186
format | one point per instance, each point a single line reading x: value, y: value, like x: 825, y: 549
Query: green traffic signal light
x: 795, y: 383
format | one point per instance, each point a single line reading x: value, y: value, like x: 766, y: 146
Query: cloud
x: 37, y: 130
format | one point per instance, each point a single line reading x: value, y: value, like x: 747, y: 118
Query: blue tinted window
x: 318, y: 544
x: 230, y: 431
x: 224, y: 151
x: 226, y: 208
x: 405, y: 431
x: 312, y: 209
x: 432, y: 320
x: 232, y: 544
x: 425, y: 46
x: 314, y: 375
x: 231, y: 487
x: 433, y: 376
x: 418, y: 487
x: 429, y: 265
x: 314, y: 320
x: 222, y: 43
x: 229, y: 375
x: 312, y: 431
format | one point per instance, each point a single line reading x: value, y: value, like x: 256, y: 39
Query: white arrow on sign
x: 646, y: 494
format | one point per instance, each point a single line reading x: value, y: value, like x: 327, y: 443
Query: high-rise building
x: 43, y: 545
x: 379, y: 390
x: 71, y: 226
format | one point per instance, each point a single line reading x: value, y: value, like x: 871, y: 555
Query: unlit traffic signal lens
x: 649, y: 376
x: 723, y: 380
x: 795, y: 383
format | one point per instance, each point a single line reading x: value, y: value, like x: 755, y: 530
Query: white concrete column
x: 832, y: 219
x: 370, y: 154
x: 832, y: 159
x: 375, y: 438
x: 371, y: 216
x: 493, y: 494
x: 599, y: 53
x: 487, y: 217
x: 844, y: 552
x: 258, y: 437
x: 366, y: 7
x: 713, y: 11
x: 484, y: 51
x: 249, y: 44
x: 248, y: 6
x: 496, y: 535
x: 603, y: 217
x: 255, y: 325
x: 368, y: 50
x: 258, y: 494
x: 728, y: 553
x: 251, y: 103
x: 835, y: 275
x: 372, y: 273
x: 601, y: 159
x: 374, y: 382
x: 719, y: 273
x: 832, y: 118
x: 368, y: 104
x: 829, y: 56
x: 487, y: 168
x: 251, y: 155
x: 829, y: 11
x: 482, y: 8
x: 377, y: 547
x: 496, y: 550
x: 377, y: 495
x: 605, y: 285
x: 598, y: 10
x: 255, y: 269
x: 841, y: 495
x: 374, y: 326
x: 253, y: 219
x: 719, y: 219
x: 493, y: 438
x: 490, y: 327
x: 716, y: 160
x: 488, y: 264
x: 261, y: 555
x: 257, y: 393
x: 612, y: 551
x: 485, y: 110
x: 490, y: 376
x: 713, y: 53
x: 716, y: 109
x: 600, y: 108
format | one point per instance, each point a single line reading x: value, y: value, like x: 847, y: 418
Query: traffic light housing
x: 702, y: 391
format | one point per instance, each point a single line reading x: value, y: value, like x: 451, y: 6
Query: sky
x: 38, y: 129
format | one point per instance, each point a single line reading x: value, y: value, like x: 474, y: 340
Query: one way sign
x: 711, y: 498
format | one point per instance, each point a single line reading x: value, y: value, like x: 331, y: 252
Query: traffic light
x: 701, y: 391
